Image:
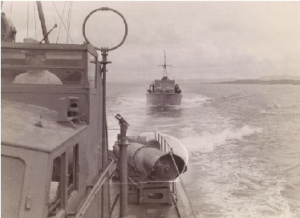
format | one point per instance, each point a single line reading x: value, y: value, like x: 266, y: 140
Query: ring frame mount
x: 105, y: 9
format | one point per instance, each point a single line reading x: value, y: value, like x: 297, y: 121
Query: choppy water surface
x: 243, y: 144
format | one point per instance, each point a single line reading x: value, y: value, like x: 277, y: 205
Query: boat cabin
x: 74, y: 66
x: 164, y: 85
x: 53, y: 147
x: 40, y: 166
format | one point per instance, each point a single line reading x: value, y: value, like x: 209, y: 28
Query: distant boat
x: 164, y: 91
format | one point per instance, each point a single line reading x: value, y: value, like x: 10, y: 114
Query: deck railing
x: 95, y: 190
x: 165, y: 146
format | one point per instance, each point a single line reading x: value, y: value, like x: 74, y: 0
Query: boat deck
x: 180, y: 208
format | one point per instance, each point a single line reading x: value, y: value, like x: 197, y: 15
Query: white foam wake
x: 195, y: 101
x: 207, y: 141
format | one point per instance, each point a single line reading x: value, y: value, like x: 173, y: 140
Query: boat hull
x: 163, y: 99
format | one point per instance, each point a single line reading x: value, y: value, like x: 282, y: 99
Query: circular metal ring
x: 105, y: 9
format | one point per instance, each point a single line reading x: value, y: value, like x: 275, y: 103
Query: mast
x: 42, y: 18
x: 165, y: 65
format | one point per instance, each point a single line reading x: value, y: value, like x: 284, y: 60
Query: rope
x: 62, y: 22
x: 27, y: 18
x: 54, y: 21
x: 35, y: 21
x: 69, y: 18
x: 111, y: 113
x: 171, y: 153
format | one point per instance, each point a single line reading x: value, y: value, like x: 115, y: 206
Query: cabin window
x: 46, y: 67
x: 92, y: 66
x: 64, y: 180
x: 73, y: 170
x: 55, y: 188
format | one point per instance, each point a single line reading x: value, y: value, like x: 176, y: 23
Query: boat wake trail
x: 207, y: 141
x: 192, y: 102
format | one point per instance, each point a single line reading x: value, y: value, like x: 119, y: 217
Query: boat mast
x: 42, y: 19
x: 165, y: 65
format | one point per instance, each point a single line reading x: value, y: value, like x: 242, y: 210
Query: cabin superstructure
x: 54, y: 149
x: 164, y: 85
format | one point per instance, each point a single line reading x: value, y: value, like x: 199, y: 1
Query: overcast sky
x: 206, y: 40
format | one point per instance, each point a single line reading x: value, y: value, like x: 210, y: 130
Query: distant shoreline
x: 221, y: 81
x: 257, y: 81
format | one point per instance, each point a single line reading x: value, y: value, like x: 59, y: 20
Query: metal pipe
x: 104, y: 141
x: 105, y: 188
x: 42, y: 19
x: 48, y: 33
x: 123, y: 172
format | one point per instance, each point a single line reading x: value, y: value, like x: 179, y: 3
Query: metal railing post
x: 123, y: 165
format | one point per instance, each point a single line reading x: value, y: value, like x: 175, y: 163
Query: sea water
x: 242, y: 144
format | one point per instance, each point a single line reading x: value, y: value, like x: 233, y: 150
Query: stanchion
x: 123, y: 166
x: 123, y: 123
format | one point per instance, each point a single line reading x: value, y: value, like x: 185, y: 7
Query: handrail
x: 95, y: 189
x: 165, y: 146
x: 131, y: 180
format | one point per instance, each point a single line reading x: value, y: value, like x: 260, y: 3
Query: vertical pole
x: 158, y: 139
x: 42, y: 19
x: 64, y: 180
x: 123, y: 172
x: 104, y: 147
x: 105, y: 187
